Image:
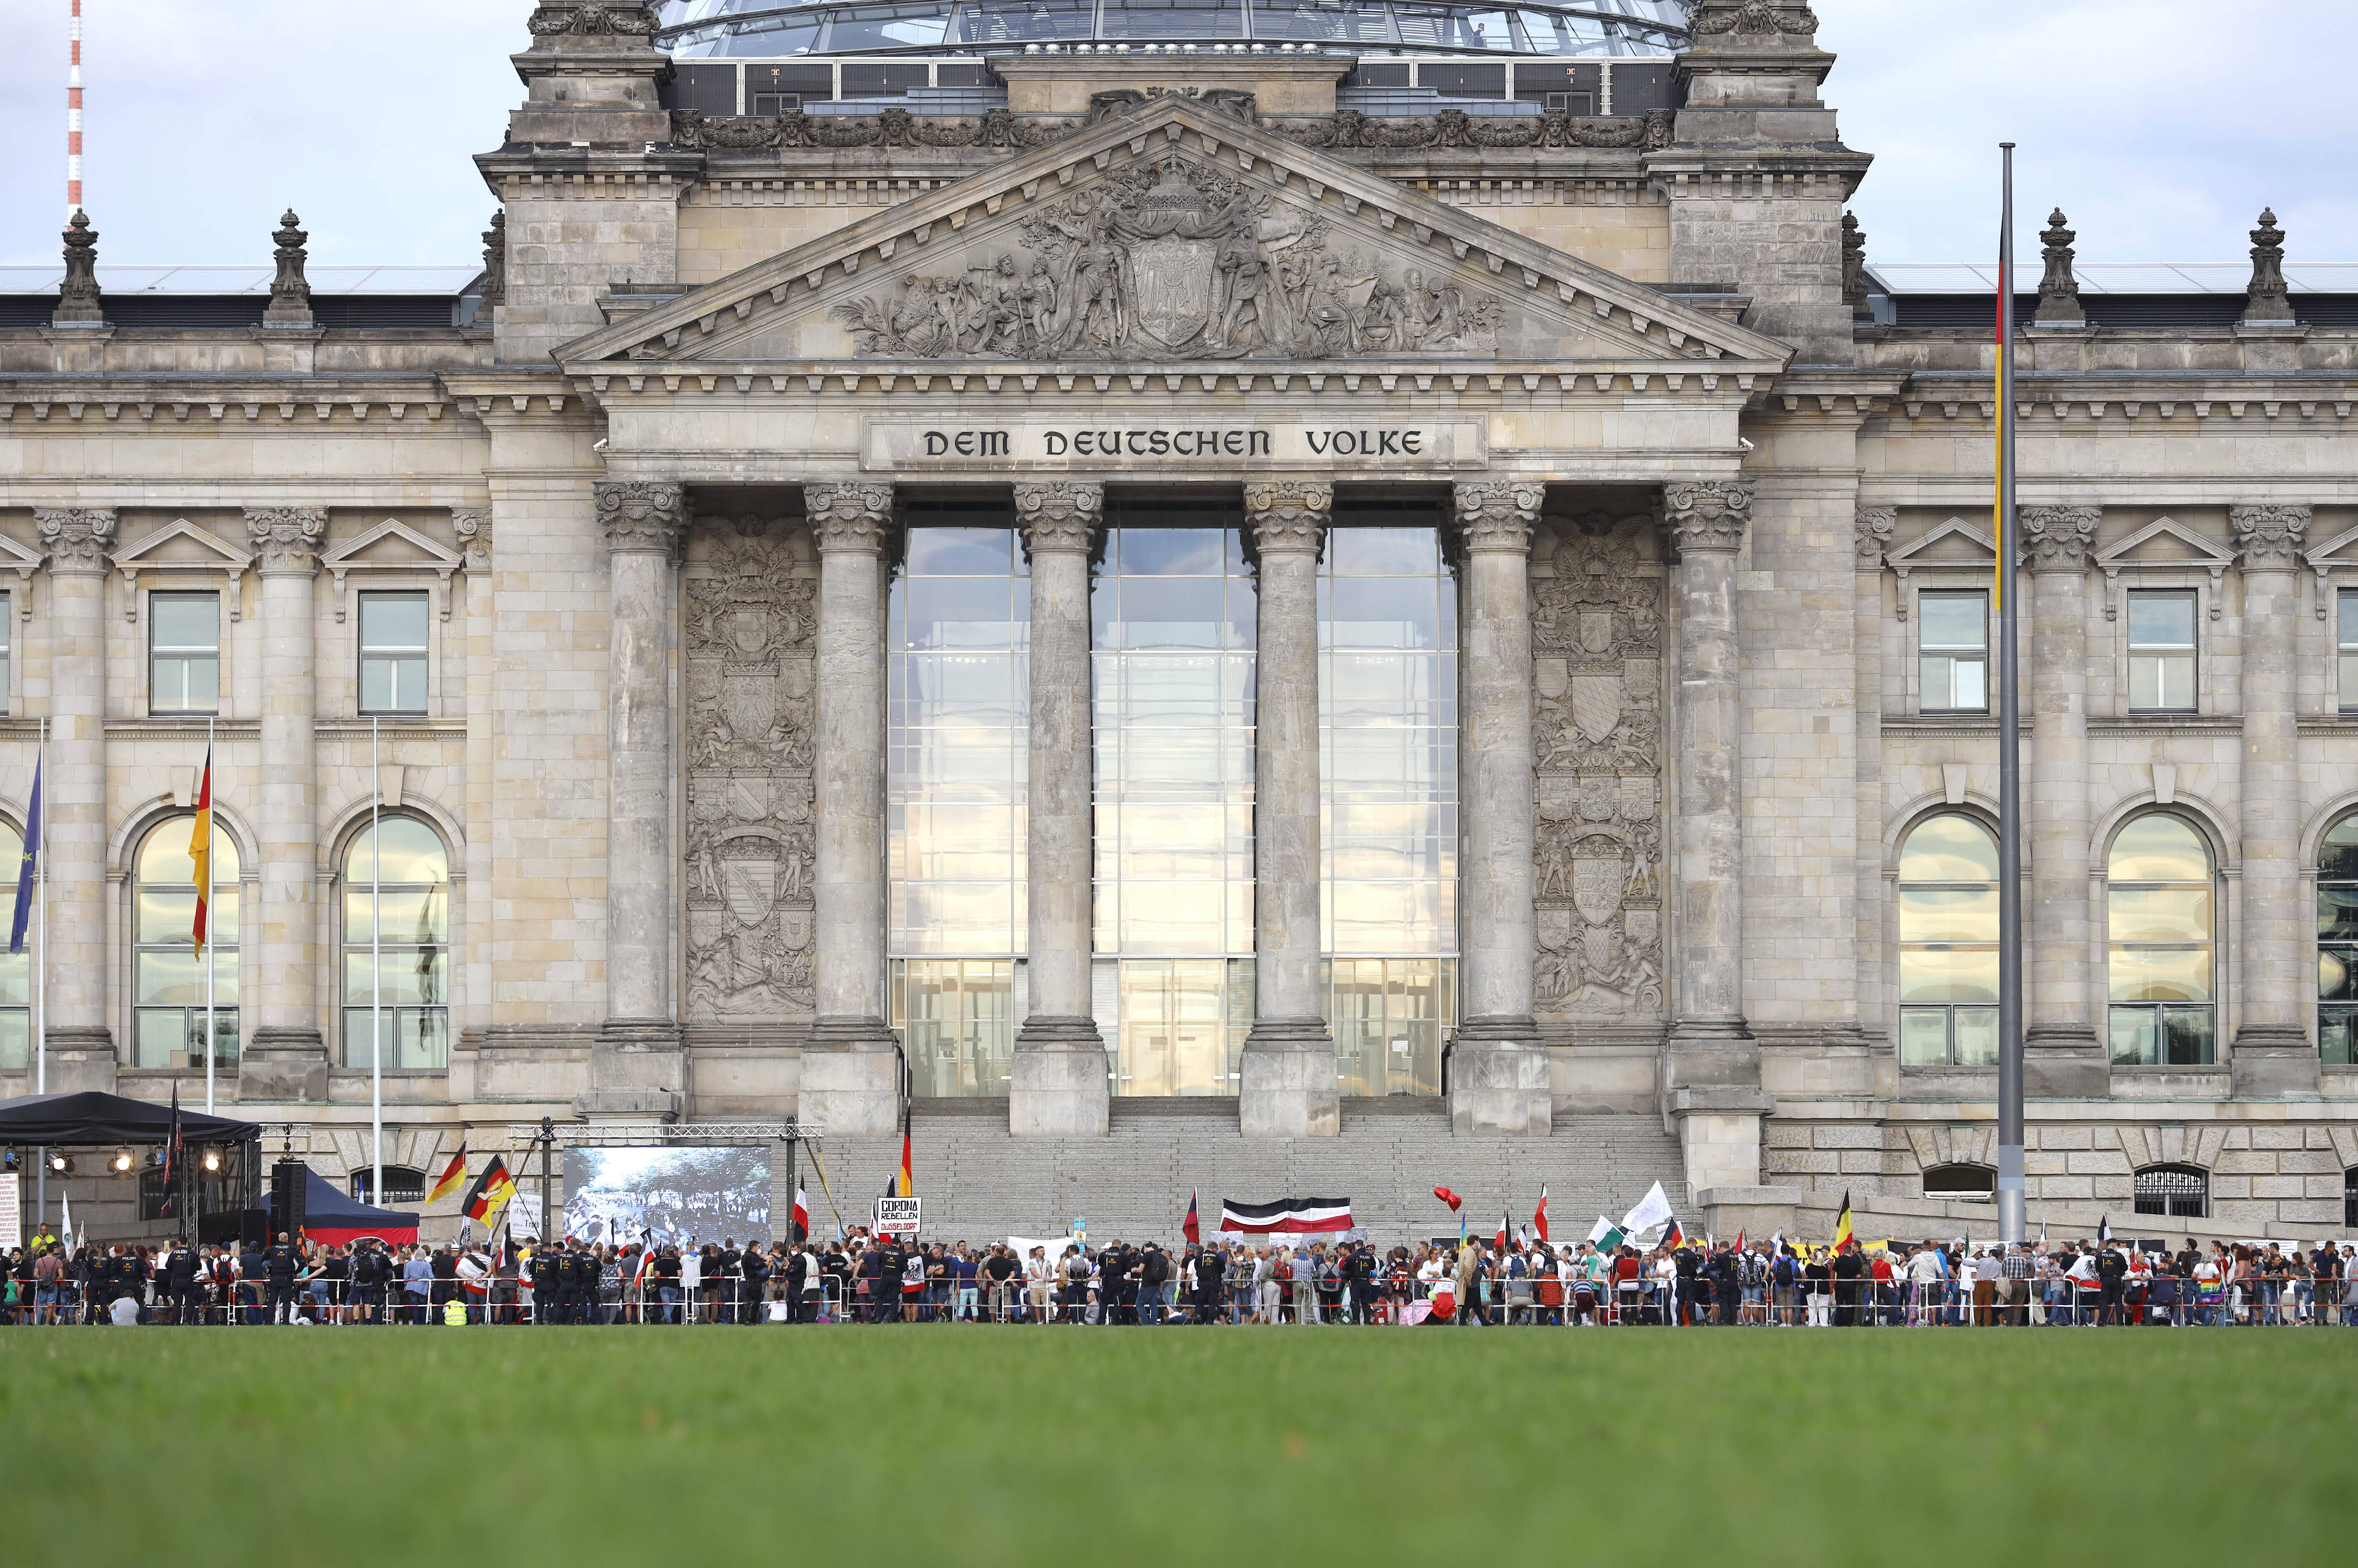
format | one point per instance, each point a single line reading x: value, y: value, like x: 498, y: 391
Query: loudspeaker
x: 286, y: 1184
x: 243, y: 1225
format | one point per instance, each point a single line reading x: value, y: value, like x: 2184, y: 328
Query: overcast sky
x: 2161, y: 126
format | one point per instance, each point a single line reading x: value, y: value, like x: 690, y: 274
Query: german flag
x: 490, y: 1193
x: 452, y: 1176
x: 200, y: 851
x: 1842, y: 1237
x: 907, y: 1182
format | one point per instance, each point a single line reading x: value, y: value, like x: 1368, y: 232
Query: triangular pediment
x: 1175, y: 232
x: 181, y: 543
x: 2165, y: 542
x: 391, y: 545
x: 1954, y: 543
x: 2330, y: 553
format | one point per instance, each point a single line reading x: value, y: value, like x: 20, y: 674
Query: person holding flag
x: 1539, y: 1217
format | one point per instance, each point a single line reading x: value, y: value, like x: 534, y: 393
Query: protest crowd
x: 1274, y: 1279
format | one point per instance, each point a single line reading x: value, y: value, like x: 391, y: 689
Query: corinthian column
x: 1498, y: 1069
x: 850, y: 1082
x: 2273, y: 1053
x: 1288, y: 1088
x: 81, y: 1046
x: 636, y: 1067
x: 1058, y: 1082
x: 1872, y: 527
x: 2063, y: 1056
x: 285, y: 1058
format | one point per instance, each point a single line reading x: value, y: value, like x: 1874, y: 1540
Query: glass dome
x: 715, y: 29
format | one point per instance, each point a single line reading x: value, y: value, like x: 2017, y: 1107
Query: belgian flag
x: 1842, y: 1237
x: 490, y: 1193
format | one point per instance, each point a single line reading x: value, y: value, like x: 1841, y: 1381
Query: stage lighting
x: 61, y: 1164
x: 213, y: 1159
x: 121, y: 1164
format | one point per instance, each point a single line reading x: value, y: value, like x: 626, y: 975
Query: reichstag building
x: 1329, y: 581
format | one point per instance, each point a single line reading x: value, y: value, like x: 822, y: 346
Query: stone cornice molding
x: 1059, y: 514
x: 2057, y: 538
x: 1289, y: 515
x: 855, y: 517
x: 472, y: 525
x: 1498, y: 514
x: 78, y: 539
x: 2269, y: 538
x: 553, y: 20
x: 646, y: 517
x: 286, y: 539
x: 1871, y: 527
x: 1707, y: 516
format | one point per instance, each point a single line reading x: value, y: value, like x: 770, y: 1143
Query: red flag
x: 1538, y: 1215
x: 1191, y: 1227
x: 1445, y: 1196
x: 1503, y: 1228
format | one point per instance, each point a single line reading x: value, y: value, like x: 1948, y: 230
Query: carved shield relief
x: 1174, y: 282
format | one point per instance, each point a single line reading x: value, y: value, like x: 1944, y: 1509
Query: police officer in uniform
x: 545, y: 1287
x: 179, y: 1281
x: 279, y: 1266
x: 894, y: 1263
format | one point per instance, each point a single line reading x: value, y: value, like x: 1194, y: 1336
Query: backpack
x: 1283, y: 1272
x: 1784, y: 1271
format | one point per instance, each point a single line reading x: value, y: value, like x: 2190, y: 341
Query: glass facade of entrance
x: 1173, y: 633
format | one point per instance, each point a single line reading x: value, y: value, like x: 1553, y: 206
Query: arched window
x: 1968, y: 1183
x: 168, y: 975
x: 407, y: 887
x: 2159, y: 898
x: 2337, y: 944
x: 2176, y: 1192
x: 16, y: 970
x: 1948, y: 944
x: 402, y: 1185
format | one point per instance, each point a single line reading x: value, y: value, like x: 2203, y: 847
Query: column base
x: 637, y: 1073
x: 2065, y: 1064
x: 1719, y: 1134
x: 1289, y: 1087
x: 1056, y: 1081
x: 2274, y: 1061
x: 852, y: 1078
x: 81, y: 1061
x: 283, y: 1064
x: 1712, y: 1053
x: 1498, y: 1080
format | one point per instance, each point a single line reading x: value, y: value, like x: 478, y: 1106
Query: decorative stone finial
x: 495, y: 261
x: 290, y: 291
x: 2058, y: 291
x: 2268, y: 301
x: 2269, y: 538
x: 1854, y: 257
x: 78, y: 295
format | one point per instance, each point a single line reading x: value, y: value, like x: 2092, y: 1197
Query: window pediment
x: 2324, y: 560
x: 1952, y: 547
x: 393, y: 548
x: 2163, y: 545
x: 181, y: 546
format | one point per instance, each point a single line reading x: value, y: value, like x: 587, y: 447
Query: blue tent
x: 329, y: 1216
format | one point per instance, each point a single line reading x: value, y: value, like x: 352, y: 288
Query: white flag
x: 65, y: 1224
x: 523, y: 1219
x: 1652, y: 1211
x: 1604, y: 1229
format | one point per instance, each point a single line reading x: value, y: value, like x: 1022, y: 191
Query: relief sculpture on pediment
x: 1596, y: 746
x: 1172, y: 259
x: 748, y: 624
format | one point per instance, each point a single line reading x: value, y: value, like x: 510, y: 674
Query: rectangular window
x: 6, y: 620
x: 2161, y: 651
x: 393, y: 653
x: 183, y: 653
x: 1952, y: 651
x: 2346, y: 645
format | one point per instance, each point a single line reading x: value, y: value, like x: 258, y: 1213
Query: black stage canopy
x: 93, y: 1118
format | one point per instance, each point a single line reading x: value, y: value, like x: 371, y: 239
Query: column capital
x: 643, y: 516
x: 286, y: 539
x: 1060, y: 515
x: 1707, y: 516
x: 1498, y: 514
x: 2269, y: 538
x: 1289, y: 515
x: 854, y: 517
x: 472, y: 525
x: 78, y: 539
x: 1872, y: 527
x: 2058, y: 538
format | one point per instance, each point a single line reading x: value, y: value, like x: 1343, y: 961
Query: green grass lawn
x: 987, y: 1446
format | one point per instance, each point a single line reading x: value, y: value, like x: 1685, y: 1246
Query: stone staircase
x: 979, y: 1184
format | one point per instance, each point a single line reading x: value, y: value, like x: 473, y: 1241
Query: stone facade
x: 1695, y: 502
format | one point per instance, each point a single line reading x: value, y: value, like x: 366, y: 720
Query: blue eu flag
x: 25, y: 867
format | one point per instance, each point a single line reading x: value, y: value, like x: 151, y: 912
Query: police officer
x: 179, y: 1281
x: 756, y: 1271
x: 892, y: 1263
x: 545, y: 1308
x: 279, y: 1266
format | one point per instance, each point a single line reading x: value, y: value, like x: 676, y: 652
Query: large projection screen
x: 684, y: 1197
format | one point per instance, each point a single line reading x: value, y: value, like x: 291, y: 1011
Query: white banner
x: 12, y: 1216
x: 897, y: 1216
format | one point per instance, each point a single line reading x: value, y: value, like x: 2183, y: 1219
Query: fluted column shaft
x: 82, y: 1044
x: 281, y: 951
x: 2062, y: 1053
x: 1058, y: 1080
x: 2272, y: 1050
x: 849, y: 1084
x: 1289, y: 1086
x: 1499, y: 1081
x: 1707, y: 524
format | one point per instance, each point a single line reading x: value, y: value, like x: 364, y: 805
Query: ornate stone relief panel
x: 1596, y: 746
x: 747, y: 648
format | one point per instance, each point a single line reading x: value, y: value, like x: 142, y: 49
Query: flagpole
x: 2012, y: 1192
x: 41, y: 970
x: 376, y: 972
x: 213, y: 1039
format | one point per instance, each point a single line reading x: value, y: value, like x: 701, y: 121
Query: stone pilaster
x: 1872, y: 528
x: 81, y: 1045
x: 850, y: 1078
x: 636, y: 1067
x: 1498, y: 1069
x: 284, y: 1057
x: 1709, y: 1042
x: 1289, y: 1073
x: 2273, y: 1056
x: 1058, y: 1082
x: 2063, y: 1056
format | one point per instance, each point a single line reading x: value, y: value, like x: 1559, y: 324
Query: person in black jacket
x: 279, y: 1266
x: 545, y: 1290
x: 755, y: 1269
x: 799, y: 1266
x: 1850, y: 1269
x: 2112, y: 1274
x: 1725, y: 1286
x: 1211, y: 1272
x: 180, y: 1281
